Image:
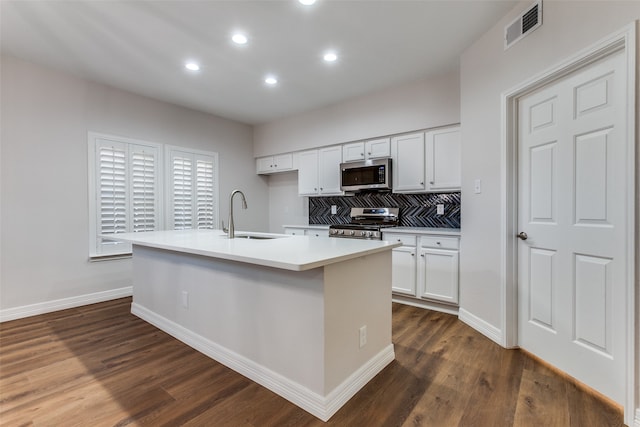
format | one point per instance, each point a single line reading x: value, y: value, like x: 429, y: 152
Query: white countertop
x: 287, y: 252
x: 312, y: 226
x: 407, y: 230
x: 423, y: 230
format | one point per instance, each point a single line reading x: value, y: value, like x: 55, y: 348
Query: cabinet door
x: 329, y: 170
x: 438, y: 275
x: 353, y: 152
x: 264, y: 165
x: 308, y: 173
x: 294, y: 231
x: 403, y: 270
x: 377, y: 148
x: 443, y: 159
x: 408, y: 163
x: 283, y: 162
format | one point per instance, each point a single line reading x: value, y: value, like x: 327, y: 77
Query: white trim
x: 63, y: 304
x: 480, y: 325
x: 320, y: 406
x: 427, y: 305
x: 637, y: 420
x: 625, y: 39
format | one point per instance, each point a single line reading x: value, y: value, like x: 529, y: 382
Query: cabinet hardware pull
x: 438, y: 243
x: 522, y: 235
x: 431, y: 182
x: 422, y: 255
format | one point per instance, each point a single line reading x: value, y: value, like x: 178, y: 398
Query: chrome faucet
x: 232, y: 231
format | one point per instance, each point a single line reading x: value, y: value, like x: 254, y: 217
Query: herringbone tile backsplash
x: 416, y: 210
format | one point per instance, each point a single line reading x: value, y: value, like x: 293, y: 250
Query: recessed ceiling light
x: 239, y: 38
x: 307, y: 2
x: 192, y: 66
x: 330, y: 56
x: 270, y: 80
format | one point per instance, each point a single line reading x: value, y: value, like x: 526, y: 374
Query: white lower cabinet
x: 425, y: 267
x: 438, y: 274
x: 307, y: 231
x: 404, y: 270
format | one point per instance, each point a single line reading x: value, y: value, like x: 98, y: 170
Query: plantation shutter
x: 204, y: 193
x: 144, y: 193
x: 193, y: 186
x: 112, y: 194
x: 183, y: 196
x: 125, y: 191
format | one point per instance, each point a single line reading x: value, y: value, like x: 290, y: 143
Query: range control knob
x: 340, y: 231
x: 351, y: 233
x: 332, y: 231
x: 368, y: 234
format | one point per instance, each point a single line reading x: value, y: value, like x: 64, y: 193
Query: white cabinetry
x: 407, y: 152
x: 272, y: 164
x: 442, y: 160
x: 319, y: 171
x: 403, y: 278
x: 438, y: 269
x: 425, y: 267
x: 316, y: 231
x: 373, y: 149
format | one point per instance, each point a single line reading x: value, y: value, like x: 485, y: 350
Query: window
x: 193, y: 188
x: 126, y: 178
x: 124, y: 190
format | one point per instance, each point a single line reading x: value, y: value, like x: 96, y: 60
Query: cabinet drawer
x: 406, y: 239
x: 439, y: 242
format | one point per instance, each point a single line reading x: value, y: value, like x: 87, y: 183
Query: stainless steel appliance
x: 366, y: 175
x: 366, y: 223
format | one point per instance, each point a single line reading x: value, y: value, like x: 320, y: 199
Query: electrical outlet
x: 334, y: 209
x: 363, y: 336
x: 440, y: 209
x: 185, y: 299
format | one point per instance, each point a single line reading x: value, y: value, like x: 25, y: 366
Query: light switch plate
x: 477, y: 186
x: 440, y: 209
x: 334, y: 209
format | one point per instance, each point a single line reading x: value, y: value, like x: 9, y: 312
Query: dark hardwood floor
x: 99, y: 365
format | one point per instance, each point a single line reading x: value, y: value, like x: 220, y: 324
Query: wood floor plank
x: 99, y: 365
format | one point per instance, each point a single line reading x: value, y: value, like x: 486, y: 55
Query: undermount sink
x: 251, y: 236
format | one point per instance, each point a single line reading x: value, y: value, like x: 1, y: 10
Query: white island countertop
x: 297, y: 253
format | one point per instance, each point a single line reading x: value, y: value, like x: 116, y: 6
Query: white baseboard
x: 636, y: 422
x: 322, y: 407
x: 481, y: 326
x: 426, y: 304
x: 62, y: 304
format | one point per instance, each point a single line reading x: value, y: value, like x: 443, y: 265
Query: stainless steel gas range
x: 366, y: 223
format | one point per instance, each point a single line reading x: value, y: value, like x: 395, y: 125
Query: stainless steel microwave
x: 367, y: 175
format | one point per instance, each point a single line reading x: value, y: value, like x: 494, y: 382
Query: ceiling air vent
x: 523, y: 24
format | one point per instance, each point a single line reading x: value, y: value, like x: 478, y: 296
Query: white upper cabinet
x: 373, y: 149
x: 353, y: 152
x: 319, y: 171
x: 272, y: 164
x: 329, y: 170
x: 407, y: 152
x: 308, y: 173
x: 443, y: 159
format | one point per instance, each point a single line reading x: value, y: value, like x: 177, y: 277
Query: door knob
x: 522, y: 235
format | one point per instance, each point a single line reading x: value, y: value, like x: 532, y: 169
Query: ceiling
x: 142, y: 46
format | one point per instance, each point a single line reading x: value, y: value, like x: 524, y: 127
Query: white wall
x: 430, y: 102
x: 45, y: 118
x: 486, y: 71
x: 427, y: 103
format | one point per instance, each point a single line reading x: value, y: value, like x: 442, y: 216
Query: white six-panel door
x: 572, y: 207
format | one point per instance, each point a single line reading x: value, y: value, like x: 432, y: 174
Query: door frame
x: 624, y: 40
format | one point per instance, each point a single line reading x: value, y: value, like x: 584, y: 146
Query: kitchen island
x: 308, y: 318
